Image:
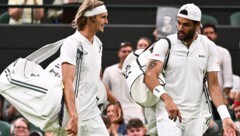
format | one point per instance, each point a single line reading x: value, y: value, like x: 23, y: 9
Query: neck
x: 120, y: 65
x: 88, y: 33
x: 189, y: 42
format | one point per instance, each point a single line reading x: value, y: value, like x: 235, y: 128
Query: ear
x: 93, y: 19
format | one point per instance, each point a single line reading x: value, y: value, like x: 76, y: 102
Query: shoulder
x: 222, y: 49
x: 209, y: 45
x: 98, y: 41
x: 205, y: 40
x: 111, y: 68
x: 163, y: 42
x: 70, y: 41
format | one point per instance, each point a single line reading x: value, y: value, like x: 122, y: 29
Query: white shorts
x: 93, y: 127
x: 90, y: 127
x: 188, y: 127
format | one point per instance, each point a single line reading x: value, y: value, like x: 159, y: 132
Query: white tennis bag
x: 36, y: 93
x: 133, y: 70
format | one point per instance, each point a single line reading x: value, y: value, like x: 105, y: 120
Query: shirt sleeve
x: 159, y: 50
x: 212, y: 63
x: 227, y: 70
x: 68, y: 52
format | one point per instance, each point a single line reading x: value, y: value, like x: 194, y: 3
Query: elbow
x: 147, y: 77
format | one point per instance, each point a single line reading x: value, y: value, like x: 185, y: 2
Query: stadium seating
x: 4, y: 18
x: 5, y: 128
x: 235, y: 19
x: 209, y: 19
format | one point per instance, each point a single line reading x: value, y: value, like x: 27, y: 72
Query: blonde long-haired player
x: 84, y: 115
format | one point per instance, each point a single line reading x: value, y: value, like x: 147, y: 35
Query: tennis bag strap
x: 151, y: 50
x: 48, y: 50
x: 78, y: 67
x: 45, y: 52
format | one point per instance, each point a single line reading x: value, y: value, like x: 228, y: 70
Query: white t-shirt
x: 27, y: 12
x: 114, y: 78
x: 236, y: 84
x: 90, y: 72
x: 185, y: 72
x: 237, y: 124
x: 225, y: 63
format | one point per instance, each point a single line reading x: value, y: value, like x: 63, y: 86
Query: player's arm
x: 217, y: 98
x: 154, y: 68
x: 68, y: 73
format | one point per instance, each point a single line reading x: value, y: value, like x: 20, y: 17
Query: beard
x: 186, y: 36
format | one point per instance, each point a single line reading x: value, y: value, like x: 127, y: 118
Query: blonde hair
x: 80, y: 21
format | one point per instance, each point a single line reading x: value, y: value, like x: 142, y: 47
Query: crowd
x: 131, y: 117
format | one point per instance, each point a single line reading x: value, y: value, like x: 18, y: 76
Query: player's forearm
x: 69, y: 99
x: 216, y: 95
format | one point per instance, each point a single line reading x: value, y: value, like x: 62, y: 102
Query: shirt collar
x: 83, y: 39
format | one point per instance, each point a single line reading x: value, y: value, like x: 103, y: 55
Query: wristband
x: 223, y: 112
x: 158, y: 91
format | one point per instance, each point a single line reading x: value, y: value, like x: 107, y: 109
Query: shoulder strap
x: 205, y: 88
x: 167, y: 54
x: 78, y: 67
x: 45, y: 52
x: 205, y: 47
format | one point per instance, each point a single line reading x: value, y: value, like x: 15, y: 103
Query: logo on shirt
x: 201, y: 56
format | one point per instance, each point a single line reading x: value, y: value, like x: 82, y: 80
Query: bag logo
x: 127, y: 71
x: 56, y: 74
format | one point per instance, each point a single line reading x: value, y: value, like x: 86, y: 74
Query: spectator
x: 55, y: 14
x: 9, y: 112
x: 117, y: 128
x: 135, y: 127
x: 236, y: 108
x: 143, y: 43
x: 21, y: 127
x: 1, y: 106
x: 69, y: 13
x: 235, y: 91
x: 156, y: 35
x: 225, y: 62
x: 115, y: 80
x: 25, y: 15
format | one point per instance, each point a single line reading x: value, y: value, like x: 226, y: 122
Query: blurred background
x: 128, y: 21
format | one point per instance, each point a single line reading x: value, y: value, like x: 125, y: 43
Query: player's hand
x: 72, y: 126
x: 229, y: 127
x: 171, y: 107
